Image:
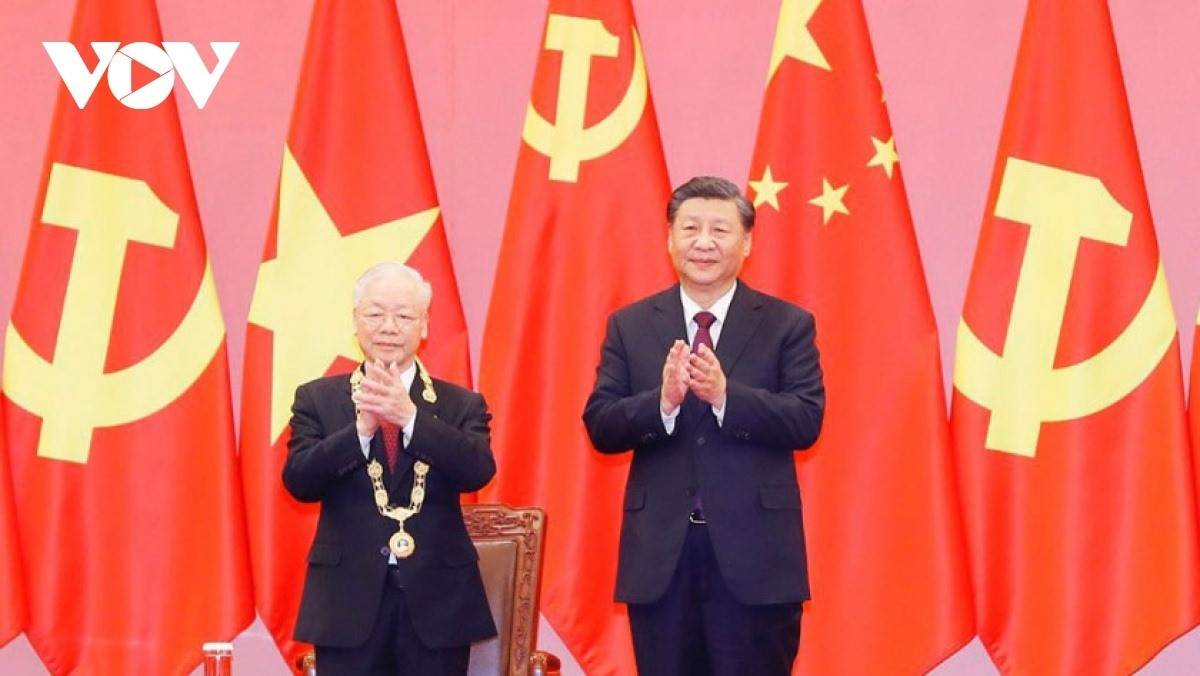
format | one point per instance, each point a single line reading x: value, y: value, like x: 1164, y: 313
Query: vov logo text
x: 117, y: 61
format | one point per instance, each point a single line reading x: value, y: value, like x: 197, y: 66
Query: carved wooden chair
x: 509, y: 541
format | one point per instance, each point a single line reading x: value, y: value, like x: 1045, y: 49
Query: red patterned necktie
x: 704, y: 320
x: 391, y: 443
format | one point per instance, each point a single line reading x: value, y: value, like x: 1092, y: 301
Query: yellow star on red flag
x: 831, y: 200
x: 792, y: 37
x: 311, y: 276
x: 767, y: 189
x: 885, y: 155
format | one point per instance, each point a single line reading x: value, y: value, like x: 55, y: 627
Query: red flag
x: 1194, y: 399
x: 585, y: 235
x: 12, y: 589
x: 119, y: 420
x: 1068, y: 406
x: 886, y: 555
x: 355, y: 188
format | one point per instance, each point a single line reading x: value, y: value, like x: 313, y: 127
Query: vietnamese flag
x: 119, y: 424
x: 12, y: 589
x: 586, y: 234
x: 886, y: 556
x: 355, y: 189
x: 1068, y: 414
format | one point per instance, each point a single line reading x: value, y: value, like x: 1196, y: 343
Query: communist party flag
x: 119, y: 424
x: 12, y: 589
x: 1068, y: 413
x: 585, y: 235
x: 355, y: 188
x: 886, y: 558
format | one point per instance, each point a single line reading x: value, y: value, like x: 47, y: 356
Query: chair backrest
x: 509, y: 541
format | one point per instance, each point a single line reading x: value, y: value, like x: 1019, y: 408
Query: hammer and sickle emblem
x: 72, y: 394
x: 1023, y: 388
x: 566, y: 142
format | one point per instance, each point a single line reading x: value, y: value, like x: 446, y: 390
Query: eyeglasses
x: 374, y: 319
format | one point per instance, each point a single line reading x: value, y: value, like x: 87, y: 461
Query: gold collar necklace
x: 402, y: 544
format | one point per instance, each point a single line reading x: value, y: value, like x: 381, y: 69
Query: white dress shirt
x: 719, y: 309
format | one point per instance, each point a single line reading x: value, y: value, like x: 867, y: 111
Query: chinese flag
x: 1068, y: 410
x: 119, y: 421
x: 887, y: 561
x: 586, y: 234
x: 1194, y: 397
x: 12, y: 590
x: 355, y: 188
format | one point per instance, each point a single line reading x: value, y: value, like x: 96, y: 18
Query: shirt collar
x: 719, y: 309
x: 408, y: 375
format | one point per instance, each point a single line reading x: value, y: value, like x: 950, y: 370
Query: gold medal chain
x: 401, y: 543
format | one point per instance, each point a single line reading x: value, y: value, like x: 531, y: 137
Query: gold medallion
x: 429, y: 396
x: 402, y: 544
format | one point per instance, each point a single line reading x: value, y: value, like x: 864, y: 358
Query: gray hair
x: 392, y: 269
x: 713, y: 188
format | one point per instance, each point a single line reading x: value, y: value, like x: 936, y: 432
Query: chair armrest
x: 306, y: 664
x: 542, y: 663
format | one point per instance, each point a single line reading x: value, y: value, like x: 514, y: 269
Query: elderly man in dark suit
x: 713, y: 385
x: 393, y: 584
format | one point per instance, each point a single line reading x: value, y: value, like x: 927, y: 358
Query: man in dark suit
x: 393, y: 584
x: 712, y: 559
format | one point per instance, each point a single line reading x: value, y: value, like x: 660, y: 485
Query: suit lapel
x: 347, y: 403
x: 416, y: 392
x: 741, y: 323
x: 668, y: 319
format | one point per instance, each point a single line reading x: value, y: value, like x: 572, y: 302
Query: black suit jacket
x: 348, y: 560
x: 743, y: 469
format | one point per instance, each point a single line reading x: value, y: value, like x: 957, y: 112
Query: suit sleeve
x: 790, y: 418
x: 317, y: 457
x: 462, y: 452
x: 616, y: 417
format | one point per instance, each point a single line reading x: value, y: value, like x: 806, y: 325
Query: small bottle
x: 218, y: 659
